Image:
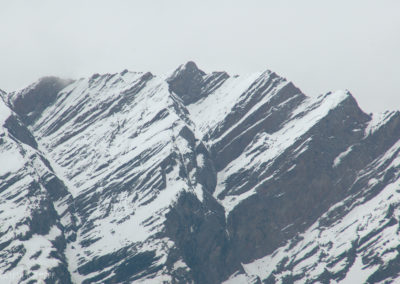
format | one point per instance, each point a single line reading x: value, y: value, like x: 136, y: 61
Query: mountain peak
x: 191, y: 84
x: 188, y: 69
x: 186, y: 82
x: 31, y: 101
x: 190, y: 65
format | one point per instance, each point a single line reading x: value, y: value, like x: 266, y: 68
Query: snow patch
x: 231, y: 201
x: 358, y: 273
x: 5, y: 112
x: 208, y: 112
x: 377, y: 121
x: 10, y: 161
x: 200, y: 160
x: 341, y: 156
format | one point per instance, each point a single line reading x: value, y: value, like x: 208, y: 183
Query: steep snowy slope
x: 356, y: 241
x: 195, y: 177
x: 122, y: 144
x: 33, y: 230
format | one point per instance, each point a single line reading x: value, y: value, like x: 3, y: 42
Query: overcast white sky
x: 319, y: 45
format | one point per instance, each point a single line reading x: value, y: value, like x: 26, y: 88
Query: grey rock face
x: 198, y: 230
x: 191, y: 84
x: 30, y: 102
x: 197, y: 178
x: 18, y: 130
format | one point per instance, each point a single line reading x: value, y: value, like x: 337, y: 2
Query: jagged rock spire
x: 186, y: 82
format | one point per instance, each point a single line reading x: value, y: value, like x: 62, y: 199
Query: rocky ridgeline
x: 195, y: 177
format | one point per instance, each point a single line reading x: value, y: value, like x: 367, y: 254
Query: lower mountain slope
x: 356, y: 241
x: 36, y: 210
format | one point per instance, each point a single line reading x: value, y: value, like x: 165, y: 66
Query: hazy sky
x: 319, y: 45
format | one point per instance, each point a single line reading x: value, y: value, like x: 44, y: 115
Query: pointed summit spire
x: 186, y: 82
x: 188, y: 67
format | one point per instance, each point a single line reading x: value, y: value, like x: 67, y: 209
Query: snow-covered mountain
x: 195, y: 177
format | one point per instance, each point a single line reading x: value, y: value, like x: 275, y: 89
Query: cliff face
x: 195, y: 177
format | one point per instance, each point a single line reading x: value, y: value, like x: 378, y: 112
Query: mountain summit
x: 191, y: 84
x: 195, y: 178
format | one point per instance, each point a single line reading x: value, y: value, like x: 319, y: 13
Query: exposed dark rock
x: 198, y: 231
x: 191, y: 84
x: 19, y: 131
x: 32, y: 101
x: 206, y: 173
x: 186, y: 82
